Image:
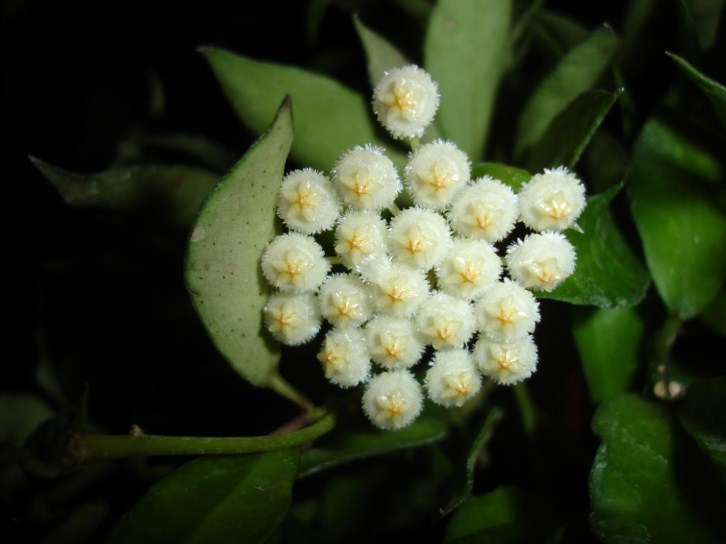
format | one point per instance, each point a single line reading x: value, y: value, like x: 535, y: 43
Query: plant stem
x: 527, y: 411
x: 86, y: 448
x: 283, y: 388
x: 662, y: 345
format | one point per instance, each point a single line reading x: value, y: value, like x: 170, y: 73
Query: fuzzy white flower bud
x: 419, y: 238
x: 506, y: 363
x: 469, y: 268
x: 366, y: 178
x: 393, y: 400
x: 405, y: 101
x: 292, y: 319
x: 307, y: 201
x: 358, y: 235
x: 400, y: 291
x: 487, y: 209
x: 506, y: 311
x: 552, y: 201
x: 541, y: 261
x: 345, y: 357
x: 345, y: 300
x: 294, y: 262
x: 436, y: 172
x: 453, y: 378
x: 445, y: 321
x: 393, y: 342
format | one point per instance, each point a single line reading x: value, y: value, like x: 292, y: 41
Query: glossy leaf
x: 637, y: 491
x: 173, y: 193
x: 329, y: 118
x: 345, y: 447
x: 607, y: 273
x: 577, y: 72
x: 216, y: 499
x: 713, y: 90
x: 680, y: 223
x: 608, y: 341
x: 222, y: 267
x: 380, y: 53
x: 569, y: 133
x: 509, y: 175
x: 465, y: 49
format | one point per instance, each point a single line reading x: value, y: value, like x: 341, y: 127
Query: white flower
x: 506, y: 363
x: 453, y: 378
x: 345, y: 357
x: 541, y: 261
x: 469, y: 268
x: 405, y: 101
x: 345, y: 300
x: 307, y: 201
x: 445, y: 321
x: 366, y: 178
x: 436, y: 172
x: 551, y: 201
x: 358, y: 235
x: 393, y: 342
x: 400, y: 291
x: 506, y: 311
x: 294, y: 262
x: 419, y: 238
x: 292, y: 319
x: 487, y: 209
x: 392, y: 400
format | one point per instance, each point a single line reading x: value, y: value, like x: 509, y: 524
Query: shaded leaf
x: 329, y: 118
x: 465, y: 49
x: 703, y: 18
x: 557, y: 32
x: 218, y: 499
x: 198, y: 147
x: 713, y: 90
x: 222, y: 267
x: 20, y: 415
x: 380, y: 53
x: 509, y: 175
x: 715, y: 313
x: 608, y: 341
x: 569, y: 133
x: 607, y: 274
x: 680, y: 223
x: 171, y: 192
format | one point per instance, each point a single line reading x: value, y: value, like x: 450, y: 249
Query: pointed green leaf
x: 509, y: 175
x: 171, y: 192
x: 607, y: 273
x: 577, y: 72
x: 608, y: 341
x: 557, y: 32
x: 680, y: 222
x: 466, y: 48
x: 570, y: 132
x: 713, y: 90
x: 222, y: 267
x: 217, y: 499
x: 380, y: 53
x: 329, y: 118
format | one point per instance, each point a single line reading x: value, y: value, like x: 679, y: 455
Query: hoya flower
x: 436, y: 172
x: 445, y: 321
x: 551, y: 201
x: 405, y: 101
x: 541, y: 261
x: 506, y: 363
x: 453, y: 378
x: 392, y: 400
x: 393, y: 342
x: 345, y: 357
x: 374, y: 267
x: 294, y: 262
x: 292, y: 319
x: 345, y: 300
x: 358, y: 235
x: 307, y: 201
x: 506, y: 311
x: 366, y: 178
x: 400, y: 291
x: 419, y: 238
x: 487, y: 209
x: 469, y: 268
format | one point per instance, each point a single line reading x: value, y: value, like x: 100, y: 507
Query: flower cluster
x: 431, y: 275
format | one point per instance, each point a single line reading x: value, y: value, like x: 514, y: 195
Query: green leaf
x: 703, y: 16
x: 608, y: 341
x: 20, y: 415
x: 715, y: 313
x: 509, y: 175
x: 569, y: 133
x: 229, y: 499
x: 713, y: 90
x: 222, y: 266
x: 329, y: 118
x: 607, y: 274
x: 381, y: 54
x: 466, y: 47
x: 557, y: 32
x: 507, y: 515
x: 641, y: 490
x: 577, y: 72
x: 680, y: 223
x: 171, y: 192
x: 345, y: 447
